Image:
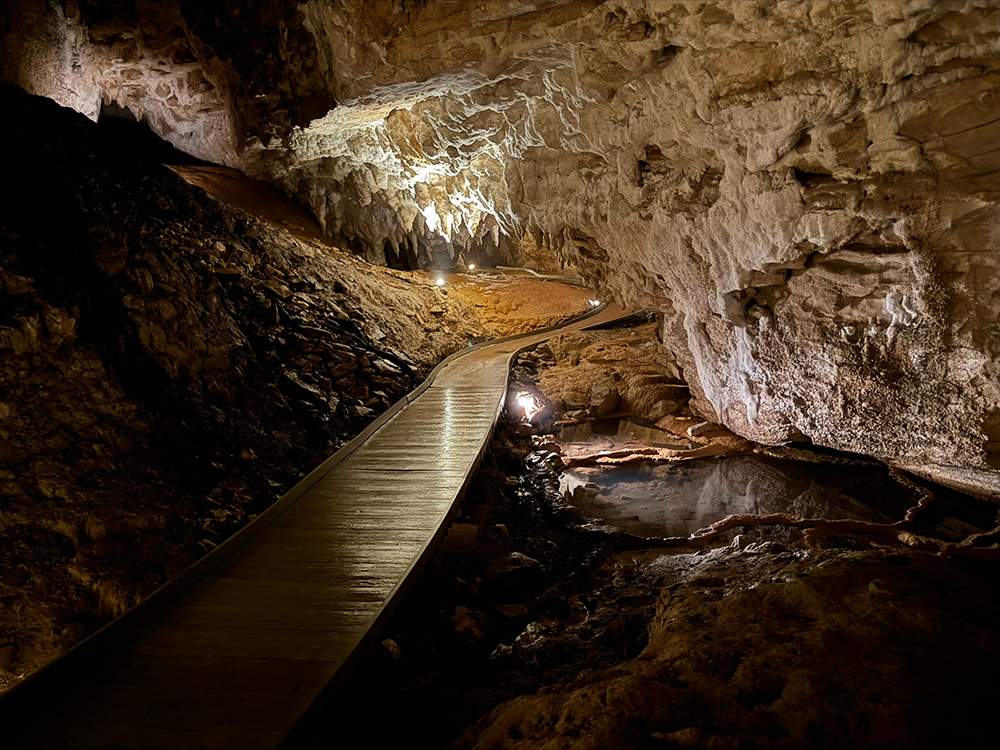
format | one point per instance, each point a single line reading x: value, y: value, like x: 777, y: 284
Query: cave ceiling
x: 806, y: 191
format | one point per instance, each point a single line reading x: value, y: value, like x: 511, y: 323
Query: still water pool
x: 677, y: 499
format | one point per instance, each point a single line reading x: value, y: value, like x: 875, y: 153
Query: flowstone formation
x: 806, y: 191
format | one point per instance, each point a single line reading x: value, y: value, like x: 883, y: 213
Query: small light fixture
x: 529, y: 404
x: 472, y: 266
x: 439, y: 281
x: 594, y: 302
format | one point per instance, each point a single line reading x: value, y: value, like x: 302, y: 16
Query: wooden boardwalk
x: 237, y: 658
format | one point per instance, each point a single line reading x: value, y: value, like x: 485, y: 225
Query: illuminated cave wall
x: 806, y: 191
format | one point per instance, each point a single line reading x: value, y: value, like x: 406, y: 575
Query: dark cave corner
x: 133, y: 135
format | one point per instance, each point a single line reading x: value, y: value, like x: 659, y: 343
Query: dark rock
x: 8, y: 653
x: 513, y: 574
x: 470, y: 624
x: 513, y: 611
x: 604, y: 397
x: 144, y: 352
x: 306, y: 389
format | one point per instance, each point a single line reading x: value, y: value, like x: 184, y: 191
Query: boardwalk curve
x: 236, y: 658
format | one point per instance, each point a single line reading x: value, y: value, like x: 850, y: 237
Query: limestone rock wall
x: 806, y: 190
x: 209, y: 78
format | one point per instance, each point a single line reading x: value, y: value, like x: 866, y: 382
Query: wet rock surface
x: 597, y: 598
x: 765, y: 639
x: 764, y: 648
x: 612, y: 396
x: 170, y: 365
x: 603, y: 381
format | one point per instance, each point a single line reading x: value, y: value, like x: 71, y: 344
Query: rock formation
x: 765, y: 649
x: 807, y: 191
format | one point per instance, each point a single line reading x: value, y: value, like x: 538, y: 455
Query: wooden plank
x: 307, y: 570
x: 225, y: 639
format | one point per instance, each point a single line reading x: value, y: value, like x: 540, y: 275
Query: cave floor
x: 562, y: 629
x: 692, y: 591
x: 236, y: 659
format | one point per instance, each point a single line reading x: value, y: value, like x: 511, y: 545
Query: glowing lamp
x: 594, y: 302
x: 472, y: 266
x: 529, y: 404
x: 439, y: 281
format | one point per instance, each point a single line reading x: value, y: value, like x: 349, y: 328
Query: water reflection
x: 677, y: 499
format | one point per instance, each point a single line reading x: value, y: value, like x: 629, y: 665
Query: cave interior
x: 750, y: 502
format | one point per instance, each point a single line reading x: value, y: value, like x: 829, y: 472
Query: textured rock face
x: 753, y: 649
x: 806, y: 191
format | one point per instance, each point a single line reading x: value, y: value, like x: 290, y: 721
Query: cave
x: 611, y: 374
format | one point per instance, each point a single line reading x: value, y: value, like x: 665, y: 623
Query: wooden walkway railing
x: 236, y: 658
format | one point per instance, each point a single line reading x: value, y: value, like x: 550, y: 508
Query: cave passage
x: 758, y: 511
